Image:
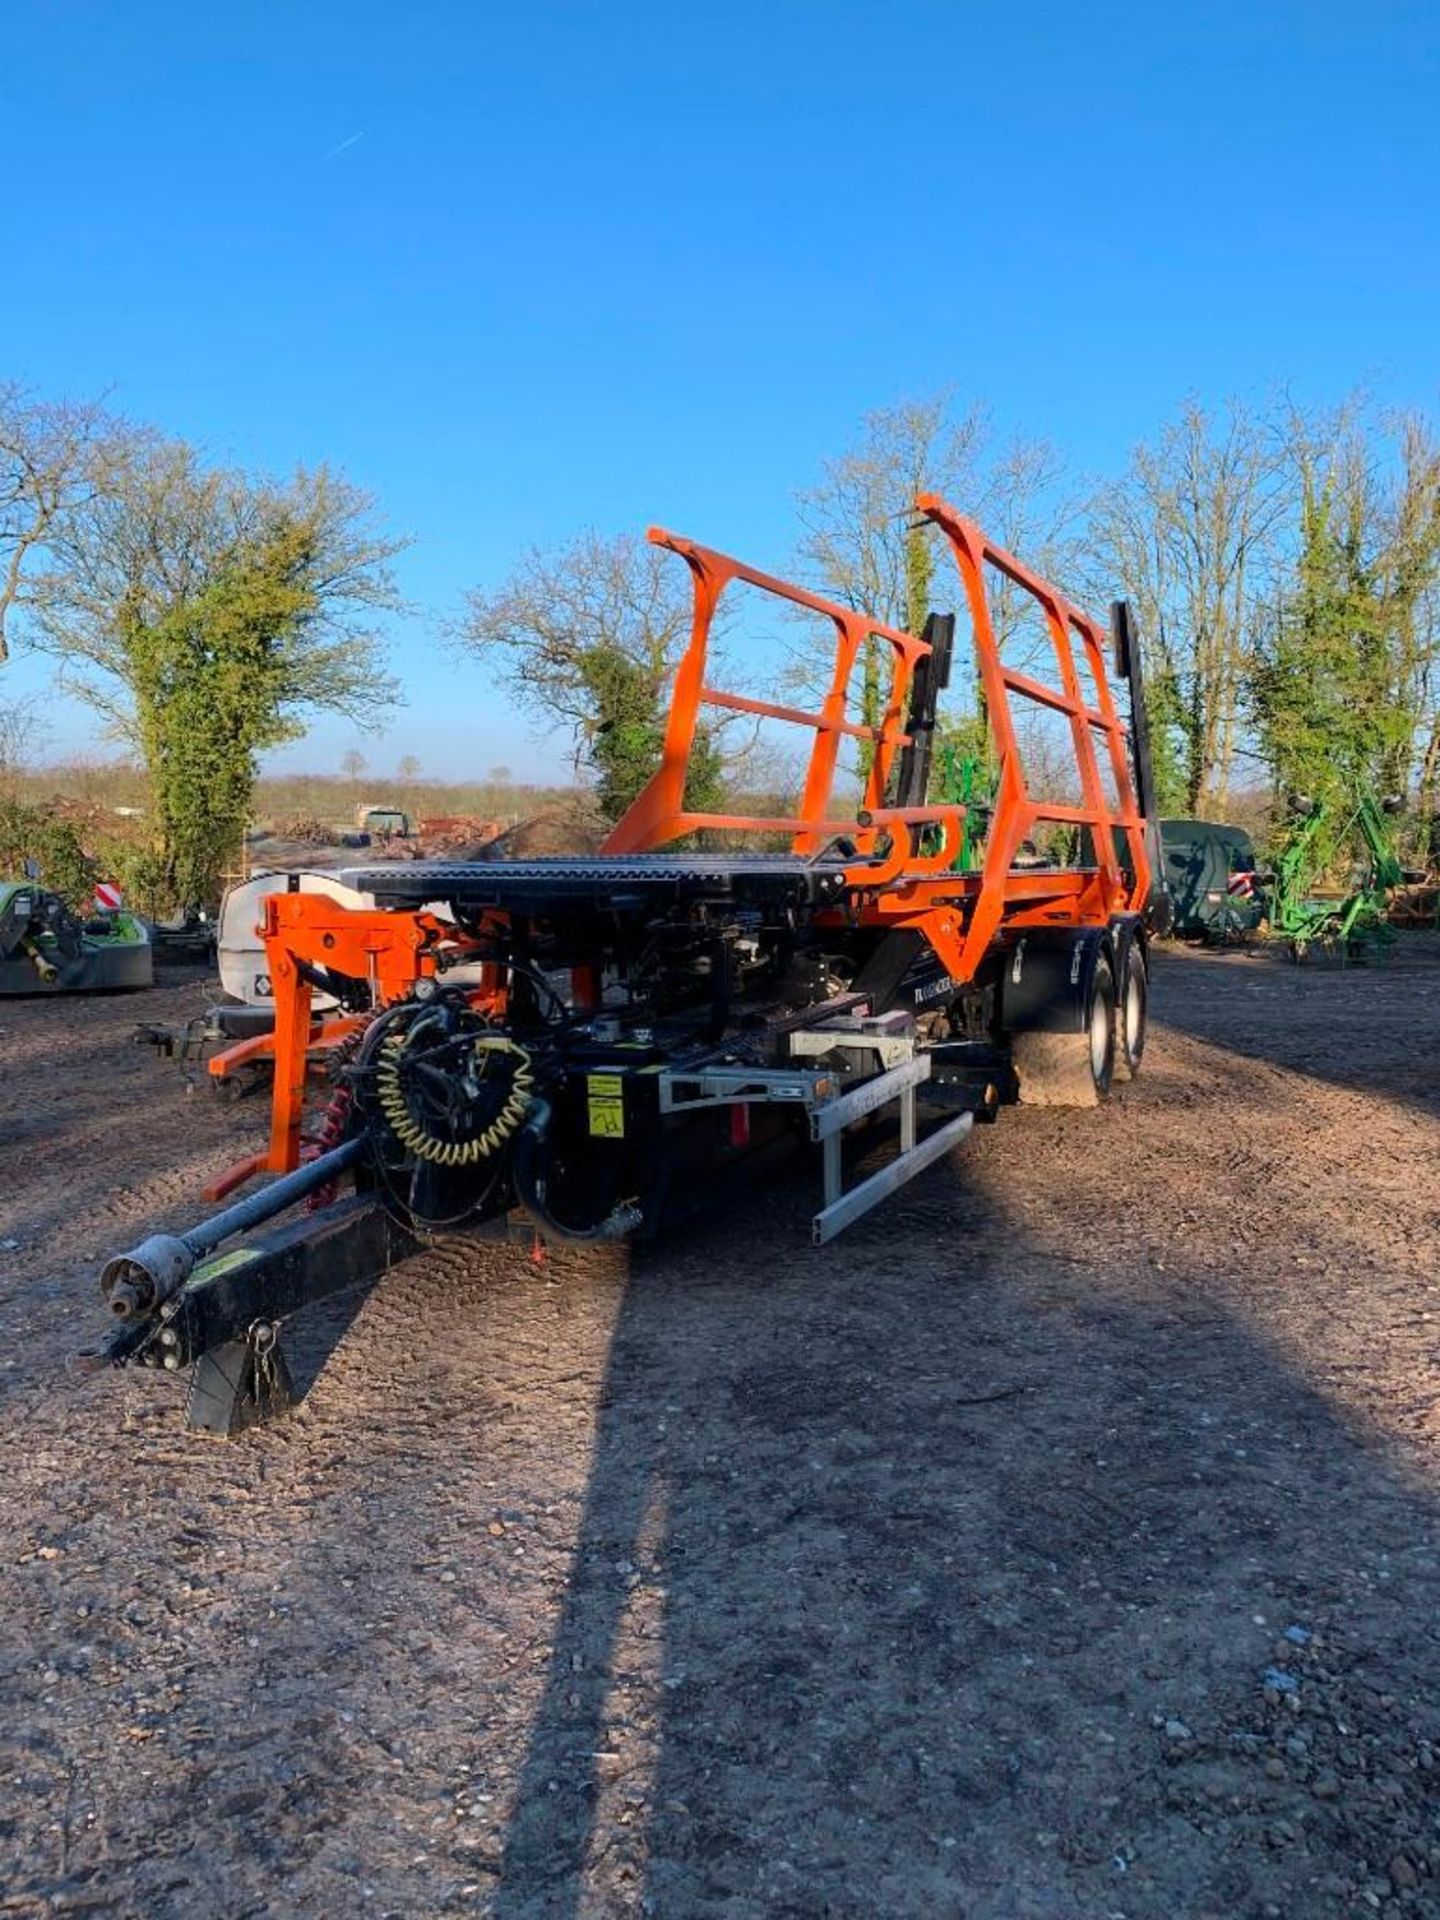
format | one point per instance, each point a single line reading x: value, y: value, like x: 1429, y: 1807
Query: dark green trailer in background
x: 1203, y: 859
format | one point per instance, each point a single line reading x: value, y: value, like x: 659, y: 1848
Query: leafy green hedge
x: 31, y: 833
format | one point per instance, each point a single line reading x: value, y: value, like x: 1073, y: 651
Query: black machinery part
x: 616, y: 882
x: 1159, y: 908
x: 1046, y: 978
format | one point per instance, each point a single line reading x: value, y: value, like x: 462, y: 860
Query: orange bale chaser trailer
x: 712, y: 986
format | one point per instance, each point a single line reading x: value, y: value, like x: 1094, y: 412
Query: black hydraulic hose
x: 384, y: 1021
x: 563, y: 1014
x: 530, y: 1170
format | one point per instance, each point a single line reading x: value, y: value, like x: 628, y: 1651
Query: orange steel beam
x: 261, y: 1046
x: 235, y: 1176
x: 390, y: 951
x: 745, y: 703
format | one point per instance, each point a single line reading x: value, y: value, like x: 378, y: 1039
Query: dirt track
x: 935, y: 1574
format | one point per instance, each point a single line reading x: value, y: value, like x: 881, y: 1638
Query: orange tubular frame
x: 960, y: 914
x: 1002, y: 898
x: 389, y: 950
x: 658, y: 814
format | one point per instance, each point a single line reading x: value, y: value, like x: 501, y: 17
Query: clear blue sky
x: 528, y: 268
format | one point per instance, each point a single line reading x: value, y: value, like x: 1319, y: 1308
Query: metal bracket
x: 890, y: 1038
x: 684, y: 1090
x: 242, y: 1384
x: 827, y: 1123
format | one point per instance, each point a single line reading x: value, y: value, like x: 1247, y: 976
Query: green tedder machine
x: 1348, y: 924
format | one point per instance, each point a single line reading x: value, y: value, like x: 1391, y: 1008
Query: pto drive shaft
x: 137, y: 1282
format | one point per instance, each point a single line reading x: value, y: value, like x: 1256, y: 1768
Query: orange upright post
x: 293, y: 995
x: 389, y: 952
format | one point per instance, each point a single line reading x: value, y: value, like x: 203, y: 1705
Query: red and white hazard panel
x: 108, y: 898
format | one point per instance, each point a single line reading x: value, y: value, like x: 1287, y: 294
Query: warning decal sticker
x: 607, y: 1105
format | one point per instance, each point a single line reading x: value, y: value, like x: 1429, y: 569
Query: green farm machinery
x: 45, y: 948
x: 961, y: 780
x: 1350, y: 925
x: 1210, y: 869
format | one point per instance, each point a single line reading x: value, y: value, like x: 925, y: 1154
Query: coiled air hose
x: 422, y: 1140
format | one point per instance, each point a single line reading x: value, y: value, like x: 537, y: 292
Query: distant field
x: 331, y: 798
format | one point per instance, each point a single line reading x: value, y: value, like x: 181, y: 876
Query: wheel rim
x: 1100, y: 1038
x: 1134, y: 1016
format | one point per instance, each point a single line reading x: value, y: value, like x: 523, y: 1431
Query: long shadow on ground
x: 935, y: 1574
x: 934, y: 1548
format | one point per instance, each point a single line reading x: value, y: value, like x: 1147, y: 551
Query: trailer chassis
x: 714, y: 1003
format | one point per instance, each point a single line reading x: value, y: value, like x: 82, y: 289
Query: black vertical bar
x: 932, y: 676
x: 1159, y: 908
x: 1127, y: 663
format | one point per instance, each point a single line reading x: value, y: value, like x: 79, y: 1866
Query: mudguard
x: 1046, y: 979
x: 1128, y: 930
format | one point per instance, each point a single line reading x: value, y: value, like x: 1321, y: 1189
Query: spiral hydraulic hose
x: 420, y: 1139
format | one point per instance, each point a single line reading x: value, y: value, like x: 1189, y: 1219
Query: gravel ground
x: 1060, y: 1545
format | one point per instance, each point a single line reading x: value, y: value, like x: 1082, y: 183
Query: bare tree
x: 47, y: 469
x: 861, y: 545
x: 1022, y: 502
x: 1194, y: 533
x: 1408, y: 566
x: 352, y: 765
x: 857, y: 521
x: 584, y: 637
x: 855, y: 544
x: 408, y: 769
x: 21, y: 729
x: 562, y: 607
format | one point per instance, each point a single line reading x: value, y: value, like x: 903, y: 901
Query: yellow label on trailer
x: 606, y: 1093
